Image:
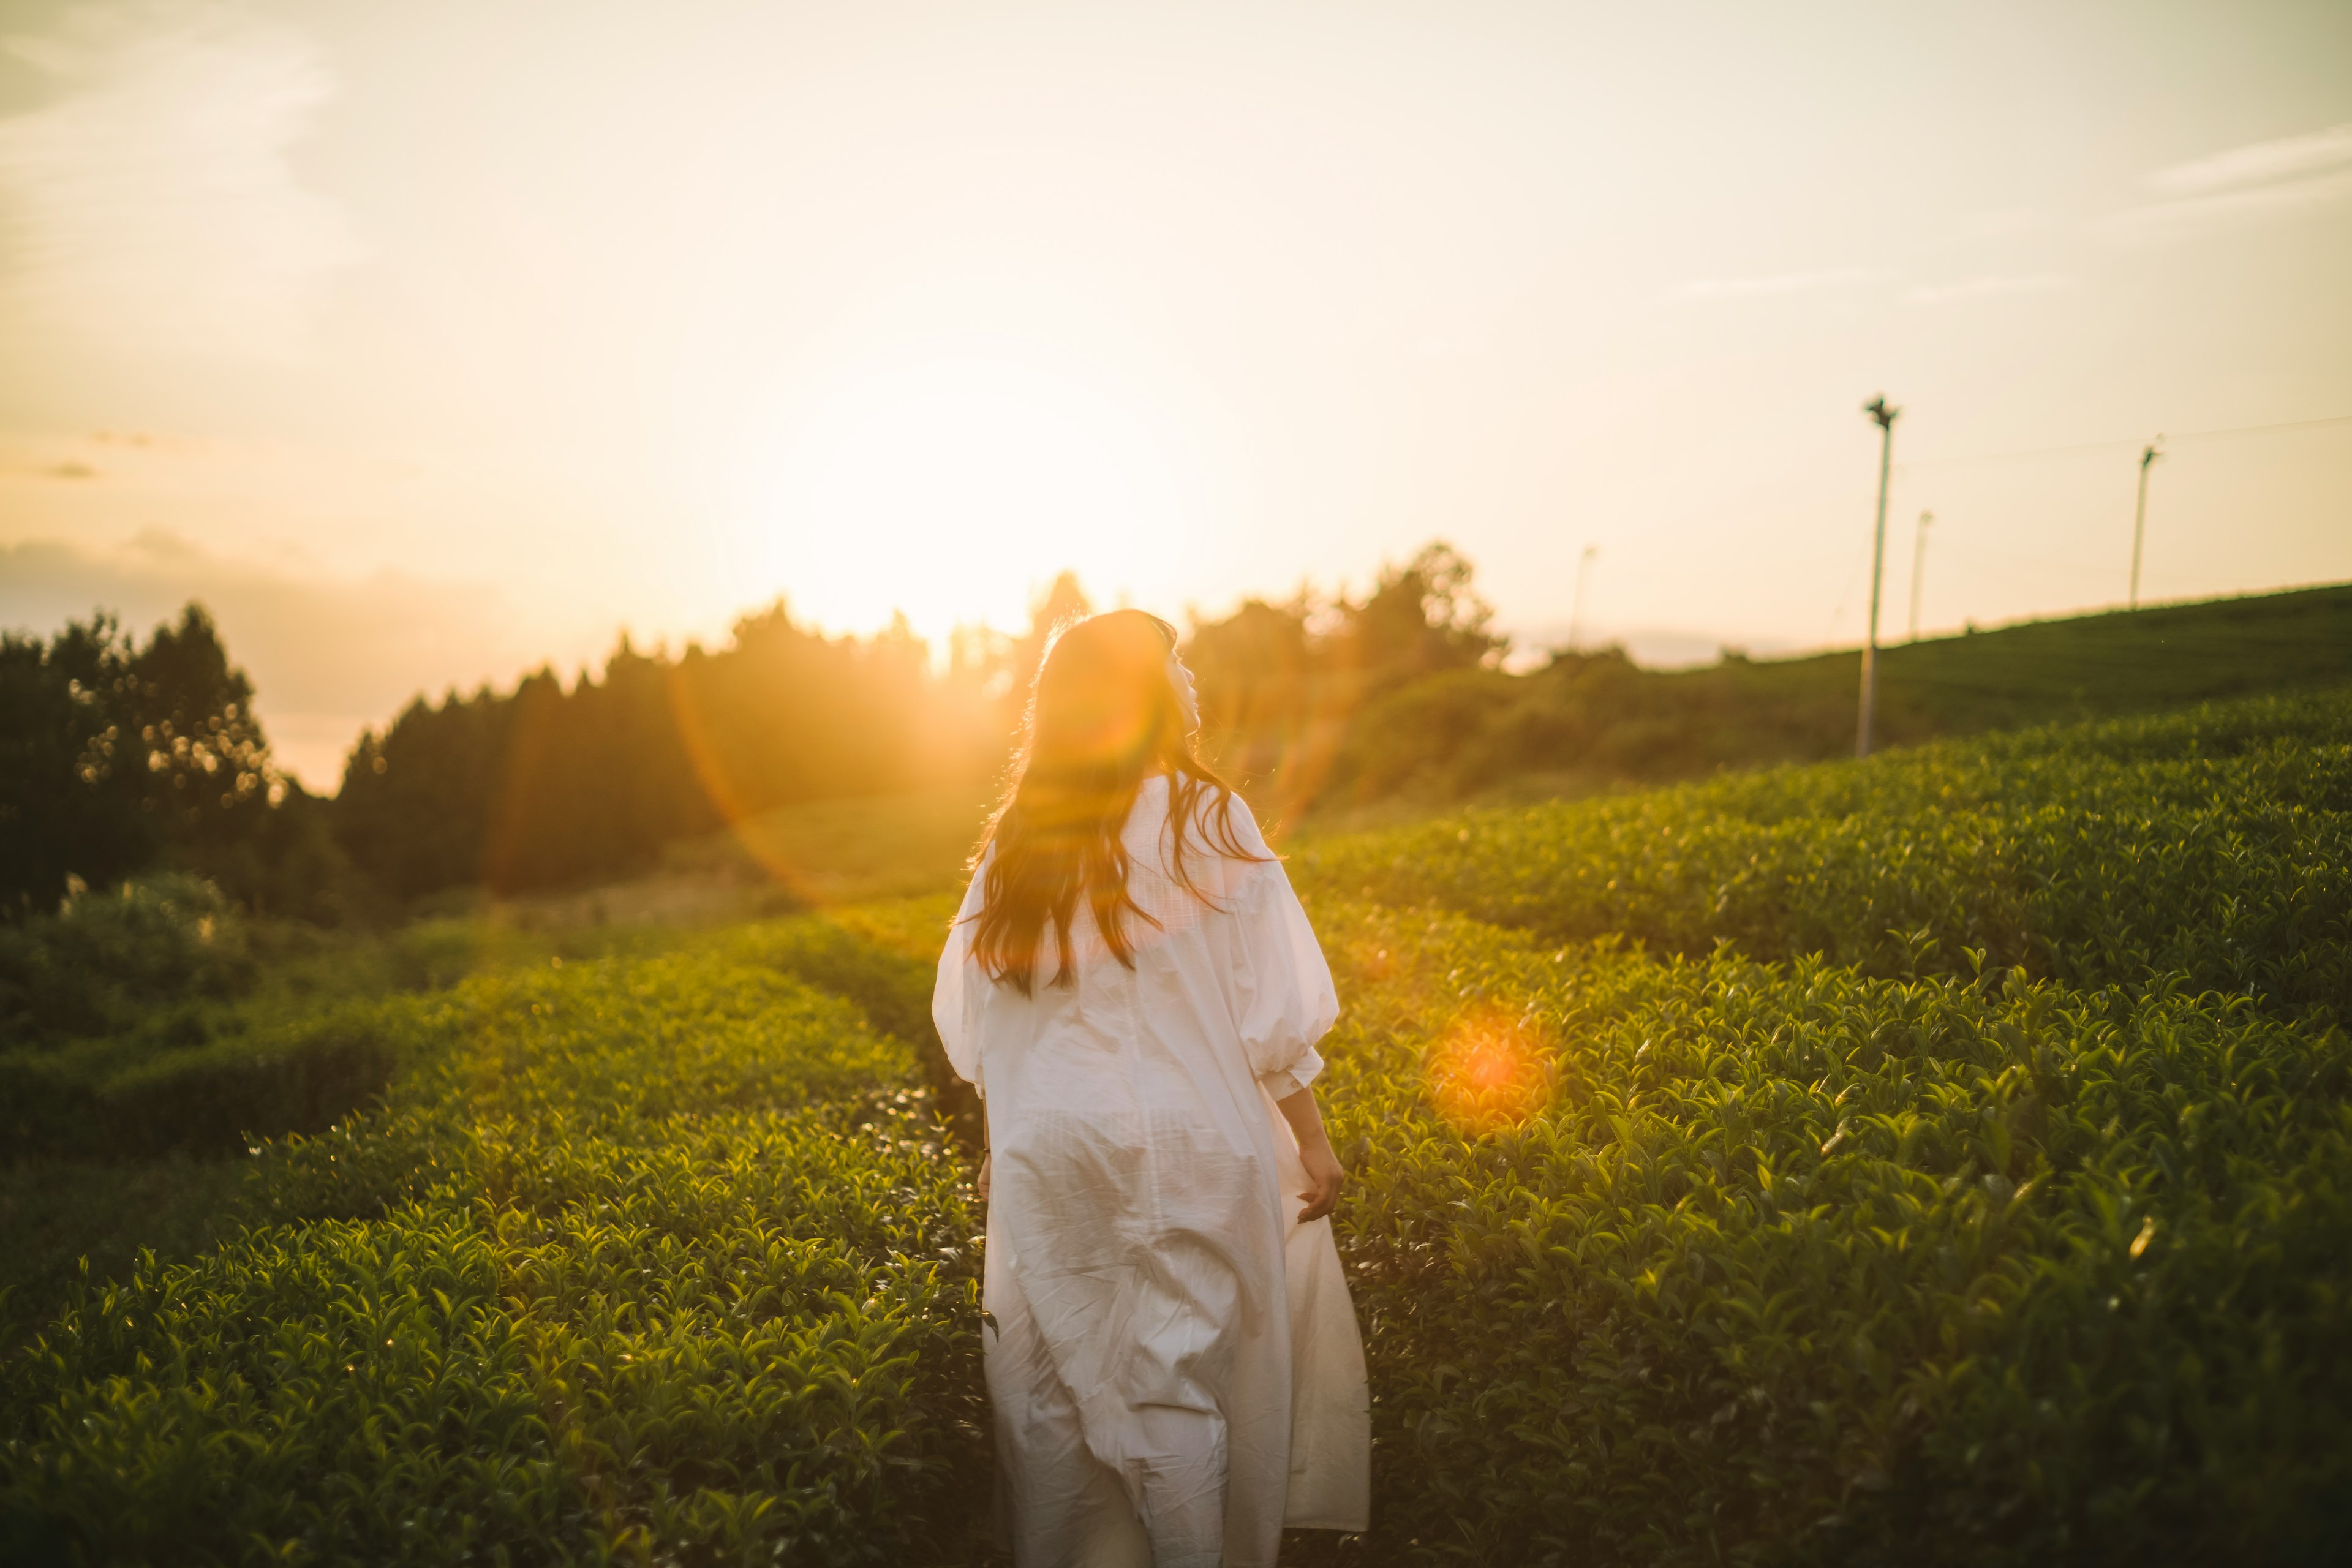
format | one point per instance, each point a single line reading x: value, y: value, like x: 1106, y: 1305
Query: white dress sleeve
x: 957, y: 994
x: 1282, y: 995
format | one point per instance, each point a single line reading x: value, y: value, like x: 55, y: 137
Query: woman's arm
x: 1324, y: 1176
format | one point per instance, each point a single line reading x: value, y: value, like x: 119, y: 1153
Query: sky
x: 425, y: 344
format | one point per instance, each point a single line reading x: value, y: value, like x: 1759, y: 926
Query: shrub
x: 2217, y: 844
x: 106, y: 959
x: 145, y: 1094
x: 649, y: 1251
x: 1956, y: 1166
x: 1796, y: 1261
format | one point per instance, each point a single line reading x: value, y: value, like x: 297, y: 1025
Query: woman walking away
x: 1132, y: 985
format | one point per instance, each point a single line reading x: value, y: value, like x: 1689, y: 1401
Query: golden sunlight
x: 938, y: 489
x: 1490, y: 1071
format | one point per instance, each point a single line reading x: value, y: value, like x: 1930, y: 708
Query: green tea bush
x: 2216, y: 844
x: 107, y: 957
x: 655, y: 1255
x: 889, y: 977
x: 138, y: 1096
x: 1942, y: 1160
x: 1782, y: 1262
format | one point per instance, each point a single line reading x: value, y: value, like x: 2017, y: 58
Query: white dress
x: 1172, y: 1358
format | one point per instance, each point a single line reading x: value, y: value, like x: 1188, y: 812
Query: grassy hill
x: 1588, y: 721
x: 1945, y: 1159
x: 2092, y: 666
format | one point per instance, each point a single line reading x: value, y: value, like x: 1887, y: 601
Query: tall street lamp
x: 1576, y: 617
x: 1883, y: 413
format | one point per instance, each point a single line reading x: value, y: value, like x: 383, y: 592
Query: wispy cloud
x: 2263, y: 179
x: 1775, y: 283
x: 2259, y: 164
x: 1982, y: 286
x: 152, y: 200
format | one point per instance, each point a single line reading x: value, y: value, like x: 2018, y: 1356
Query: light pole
x: 1918, y: 566
x: 1576, y: 617
x: 2139, y: 513
x: 1883, y: 413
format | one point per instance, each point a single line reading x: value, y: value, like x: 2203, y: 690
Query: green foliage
x: 1593, y: 719
x: 1791, y: 1262
x: 641, y: 1254
x: 2216, y: 844
x: 197, y: 1029
x: 71, y: 1219
x: 1941, y: 1160
x: 118, y: 758
x: 105, y: 959
x: 545, y: 787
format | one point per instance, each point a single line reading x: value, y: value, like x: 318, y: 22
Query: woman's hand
x: 982, y: 1182
x: 1325, y: 1176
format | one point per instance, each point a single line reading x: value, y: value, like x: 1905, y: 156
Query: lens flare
x: 1490, y: 1073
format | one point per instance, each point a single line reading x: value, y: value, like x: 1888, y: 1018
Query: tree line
x: 124, y: 757
x: 118, y: 757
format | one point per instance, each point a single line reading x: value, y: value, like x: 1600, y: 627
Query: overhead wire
x: 2121, y: 446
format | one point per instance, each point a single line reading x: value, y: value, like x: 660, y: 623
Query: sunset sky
x: 429, y: 341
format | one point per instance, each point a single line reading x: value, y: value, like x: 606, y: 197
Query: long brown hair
x: 1102, y: 714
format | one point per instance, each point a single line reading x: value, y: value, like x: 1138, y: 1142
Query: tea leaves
x: 1944, y: 1159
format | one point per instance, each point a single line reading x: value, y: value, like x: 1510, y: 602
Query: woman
x: 1136, y: 992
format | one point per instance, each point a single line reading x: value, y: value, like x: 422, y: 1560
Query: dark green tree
x: 115, y: 757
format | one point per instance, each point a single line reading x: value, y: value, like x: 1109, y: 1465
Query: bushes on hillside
x: 1791, y: 1265
x: 2215, y: 844
x: 645, y: 1256
x: 1844, y: 1241
x: 107, y: 959
x: 1588, y: 717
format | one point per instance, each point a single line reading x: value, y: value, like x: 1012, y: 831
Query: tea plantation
x: 1941, y: 1159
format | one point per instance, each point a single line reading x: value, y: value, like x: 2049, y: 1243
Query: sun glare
x: 1490, y: 1073
x: 950, y: 490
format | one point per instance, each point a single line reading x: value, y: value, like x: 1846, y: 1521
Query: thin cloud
x: 2258, y: 164
x: 2281, y: 178
x: 152, y: 200
x: 1982, y: 287
x: 1777, y: 283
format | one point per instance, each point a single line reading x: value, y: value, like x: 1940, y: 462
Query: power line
x: 2121, y: 446
x: 2259, y: 429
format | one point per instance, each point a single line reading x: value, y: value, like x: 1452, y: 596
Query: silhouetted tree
x: 543, y: 787
x: 1282, y: 685
x: 116, y: 757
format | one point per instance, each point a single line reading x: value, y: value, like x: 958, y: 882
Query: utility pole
x: 2139, y: 513
x: 1882, y: 414
x: 1918, y: 566
x: 1576, y: 618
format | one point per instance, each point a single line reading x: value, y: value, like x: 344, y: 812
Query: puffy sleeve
x: 957, y: 994
x: 1281, y: 988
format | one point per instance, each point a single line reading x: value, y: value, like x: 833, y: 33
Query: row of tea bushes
x: 650, y: 1257
x: 2013, y: 1229
x: 130, y: 1097
x: 2215, y: 844
x: 1698, y: 1261
x: 283, y: 1034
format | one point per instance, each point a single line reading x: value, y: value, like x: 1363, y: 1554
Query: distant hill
x: 2119, y: 661
x: 1596, y: 721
